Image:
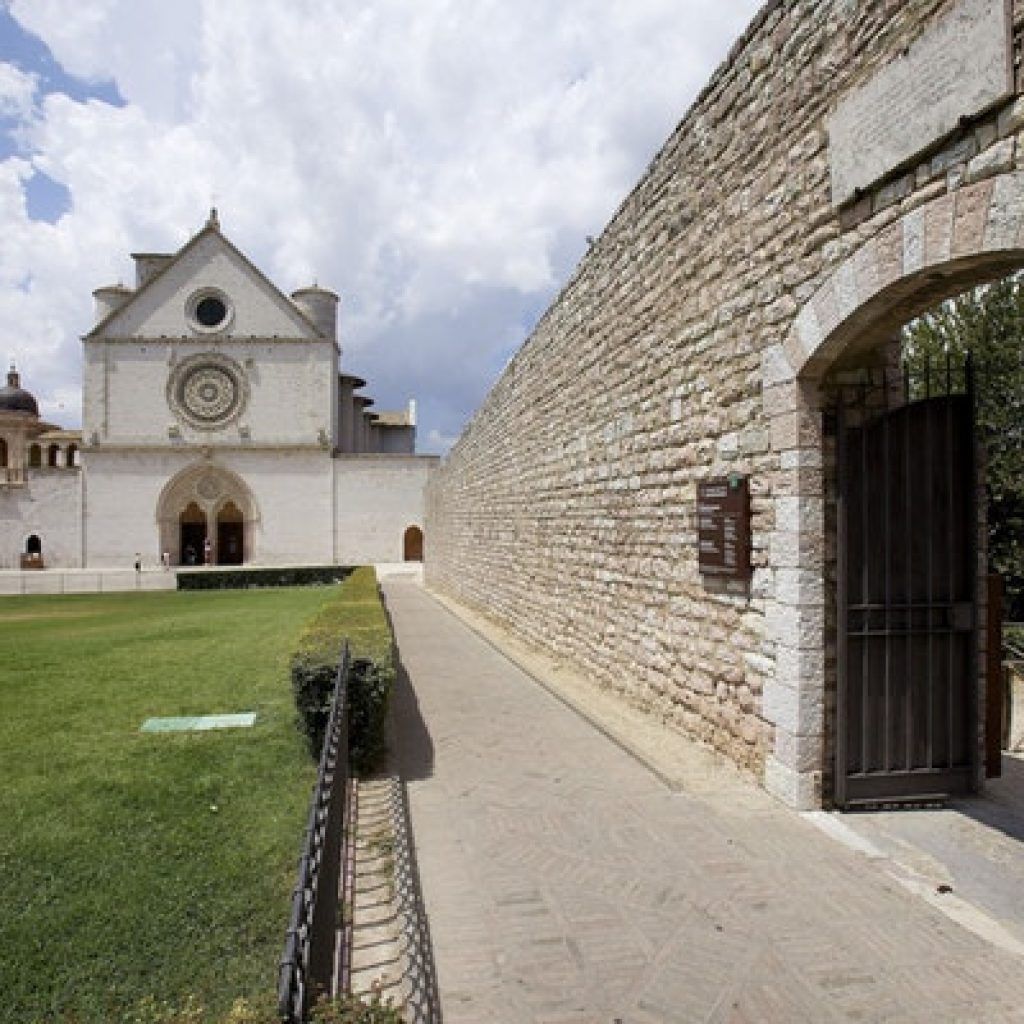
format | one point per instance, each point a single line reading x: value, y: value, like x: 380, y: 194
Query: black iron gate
x: 906, y: 585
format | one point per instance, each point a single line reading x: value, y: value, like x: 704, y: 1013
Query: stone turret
x: 109, y: 299
x: 321, y: 306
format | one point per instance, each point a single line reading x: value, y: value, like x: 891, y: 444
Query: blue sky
x: 439, y: 165
x: 47, y: 200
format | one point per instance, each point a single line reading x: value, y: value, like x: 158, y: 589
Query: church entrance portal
x: 206, y: 516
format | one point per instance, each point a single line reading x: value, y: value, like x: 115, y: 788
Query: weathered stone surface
x: 691, y: 343
x: 960, y: 66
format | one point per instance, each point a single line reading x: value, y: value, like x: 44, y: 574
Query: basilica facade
x: 218, y: 427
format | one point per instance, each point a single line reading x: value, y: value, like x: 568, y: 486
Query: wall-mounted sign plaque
x: 723, y: 527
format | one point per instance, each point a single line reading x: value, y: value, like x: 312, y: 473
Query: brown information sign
x: 723, y: 527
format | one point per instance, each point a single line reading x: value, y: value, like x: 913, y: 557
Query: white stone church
x: 217, y: 427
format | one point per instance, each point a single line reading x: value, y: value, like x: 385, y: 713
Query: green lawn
x: 146, y: 864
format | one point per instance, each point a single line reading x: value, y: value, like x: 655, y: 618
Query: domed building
x: 218, y: 427
x: 39, y: 482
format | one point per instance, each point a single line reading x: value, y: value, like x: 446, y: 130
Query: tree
x: 987, y: 323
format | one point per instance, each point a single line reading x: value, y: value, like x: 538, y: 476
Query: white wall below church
x: 49, y: 505
x: 291, y: 492
x: 378, y: 498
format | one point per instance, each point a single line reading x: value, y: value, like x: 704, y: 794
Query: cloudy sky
x: 439, y: 163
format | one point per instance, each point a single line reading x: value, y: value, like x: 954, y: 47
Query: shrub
x: 355, y: 612
x: 245, y: 579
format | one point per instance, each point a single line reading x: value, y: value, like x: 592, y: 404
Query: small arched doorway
x: 412, y: 545
x: 34, y: 546
x: 230, y: 535
x: 192, y: 534
x: 35, y: 456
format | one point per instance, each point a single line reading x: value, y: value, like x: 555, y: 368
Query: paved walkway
x: 565, y: 883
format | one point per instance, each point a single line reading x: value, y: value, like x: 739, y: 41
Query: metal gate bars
x: 906, y: 586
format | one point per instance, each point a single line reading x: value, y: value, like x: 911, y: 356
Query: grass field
x: 136, y: 864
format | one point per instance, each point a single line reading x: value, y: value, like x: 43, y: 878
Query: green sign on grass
x: 200, y: 723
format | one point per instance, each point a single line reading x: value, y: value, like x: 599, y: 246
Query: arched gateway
x: 207, y: 514
x: 658, y: 487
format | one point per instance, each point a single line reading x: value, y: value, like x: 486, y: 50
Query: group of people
x: 189, y: 556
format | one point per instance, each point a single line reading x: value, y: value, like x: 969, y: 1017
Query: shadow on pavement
x: 414, y: 748
x: 1001, y: 805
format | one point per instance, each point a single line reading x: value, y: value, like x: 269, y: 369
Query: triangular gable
x: 159, y: 302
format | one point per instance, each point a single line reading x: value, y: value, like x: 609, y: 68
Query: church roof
x: 211, y: 227
x: 14, y: 398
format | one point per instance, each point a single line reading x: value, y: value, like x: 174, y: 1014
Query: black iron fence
x: 311, y: 946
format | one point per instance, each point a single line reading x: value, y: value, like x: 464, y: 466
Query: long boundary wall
x: 693, y: 341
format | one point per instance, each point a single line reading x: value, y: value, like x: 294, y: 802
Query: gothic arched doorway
x: 412, y: 545
x: 230, y: 535
x: 206, y: 507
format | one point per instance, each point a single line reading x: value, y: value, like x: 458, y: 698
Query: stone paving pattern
x: 565, y: 883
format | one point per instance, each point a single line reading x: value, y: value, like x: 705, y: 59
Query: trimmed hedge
x: 244, y: 579
x: 355, y: 612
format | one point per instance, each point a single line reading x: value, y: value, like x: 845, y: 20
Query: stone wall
x: 680, y: 350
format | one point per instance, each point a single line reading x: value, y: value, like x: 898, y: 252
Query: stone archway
x: 203, y: 504
x: 934, y: 252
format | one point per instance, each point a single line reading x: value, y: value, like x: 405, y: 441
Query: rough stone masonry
x: 698, y: 338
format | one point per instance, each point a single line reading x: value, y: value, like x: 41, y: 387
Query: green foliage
x: 355, y: 1010
x: 141, y: 863
x: 355, y: 611
x: 246, y: 579
x: 988, y: 323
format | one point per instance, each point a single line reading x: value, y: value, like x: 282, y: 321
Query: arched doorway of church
x: 412, y: 545
x: 207, y: 509
x: 33, y: 545
x: 230, y: 535
x: 192, y: 534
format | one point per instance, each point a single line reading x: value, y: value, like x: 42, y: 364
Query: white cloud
x: 440, y: 164
x: 17, y: 91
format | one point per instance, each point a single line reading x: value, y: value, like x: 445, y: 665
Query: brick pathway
x: 566, y: 884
